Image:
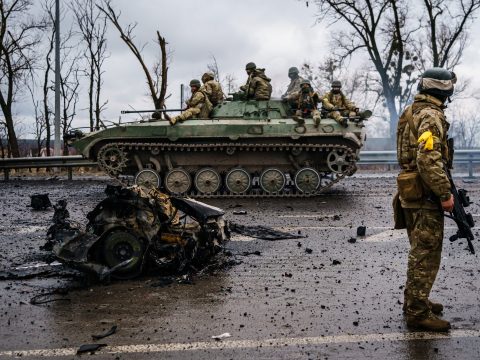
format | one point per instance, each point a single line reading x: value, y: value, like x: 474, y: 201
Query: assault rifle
x: 461, y: 200
x: 361, y: 115
x: 152, y: 111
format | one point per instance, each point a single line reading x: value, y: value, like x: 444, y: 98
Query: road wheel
x: 238, y: 181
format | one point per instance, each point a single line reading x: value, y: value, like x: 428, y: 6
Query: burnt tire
x: 119, y: 246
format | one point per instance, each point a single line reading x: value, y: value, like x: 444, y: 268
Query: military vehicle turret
x: 246, y: 149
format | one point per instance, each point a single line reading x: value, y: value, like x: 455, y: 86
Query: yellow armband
x: 426, y: 139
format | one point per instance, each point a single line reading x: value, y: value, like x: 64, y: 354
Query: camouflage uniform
x: 423, y: 215
x: 198, y: 106
x: 258, y: 86
x: 293, y: 88
x: 306, y: 104
x: 332, y: 101
x: 212, y: 89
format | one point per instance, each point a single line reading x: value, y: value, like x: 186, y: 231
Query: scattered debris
x: 112, y: 331
x: 308, y: 250
x: 262, y: 232
x: 336, y: 217
x: 40, y: 201
x: 240, y: 212
x: 336, y: 262
x: 221, y: 336
x: 352, y: 240
x: 248, y: 253
x: 89, y: 348
x: 163, y: 281
x: 43, y: 298
x: 361, y: 230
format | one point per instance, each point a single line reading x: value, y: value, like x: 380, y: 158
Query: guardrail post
x: 6, y: 175
x: 69, y: 171
x: 470, y: 166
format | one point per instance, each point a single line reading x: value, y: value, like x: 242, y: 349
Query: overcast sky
x: 275, y: 34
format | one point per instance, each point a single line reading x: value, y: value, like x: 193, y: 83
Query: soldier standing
x: 198, y: 106
x: 258, y: 85
x: 212, y: 88
x: 338, y: 104
x: 306, y: 101
x: 424, y: 193
x: 294, y: 86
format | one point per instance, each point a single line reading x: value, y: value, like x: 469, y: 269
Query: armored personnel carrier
x: 246, y: 149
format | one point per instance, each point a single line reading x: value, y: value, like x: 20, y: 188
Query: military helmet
x: 250, y: 66
x: 208, y: 76
x: 293, y: 70
x: 305, y: 81
x: 195, y: 82
x: 437, y: 82
x: 336, y: 84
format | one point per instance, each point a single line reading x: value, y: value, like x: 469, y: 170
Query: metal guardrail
x: 68, y: 162
x: 387, y: 157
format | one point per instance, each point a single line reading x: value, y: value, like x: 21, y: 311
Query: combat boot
x: 429, y: 323
x: 435, y: 308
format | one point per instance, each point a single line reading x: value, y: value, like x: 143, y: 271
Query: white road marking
x: 386, y: 236
x: 250, y: 344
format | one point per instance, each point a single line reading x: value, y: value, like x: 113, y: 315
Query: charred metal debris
x: 134, y: 229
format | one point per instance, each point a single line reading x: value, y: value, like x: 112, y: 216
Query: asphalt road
x: 341, y: 299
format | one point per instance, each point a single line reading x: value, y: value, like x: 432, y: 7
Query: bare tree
x: 464, y: 125
x: 3, y: 135
x: 92, y: 25
x: 156, y: 82
x: 18, y: 38
x: 213, y: 67
x: 445, y: 28
x: 387, y: 30
x: 228, y: 82
x: 39, y: 130
x: 69, y: 86
x: 358, y: 85
x: 48, y: 8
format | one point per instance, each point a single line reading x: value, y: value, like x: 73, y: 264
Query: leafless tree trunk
x: 213, y: 67
x: 156, y: 82
x: 3, y: 152
x: 230, y: 83
x: 387, y: 30
x: 93, y: 27
x: 69, y: 85
x: 48, y: 8
x: 18, y: 38
x: 39, y: 120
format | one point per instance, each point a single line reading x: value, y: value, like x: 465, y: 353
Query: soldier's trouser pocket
x: 410, y: 186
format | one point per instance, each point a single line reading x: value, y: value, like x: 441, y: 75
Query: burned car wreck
x: 135, y: 229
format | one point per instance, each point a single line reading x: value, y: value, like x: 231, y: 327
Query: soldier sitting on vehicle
x: 306, y: 102
x: 338, y: 105
x: 212, y: 88
x: 294, y: 86
x: 258, y: 85
x: 198, y: 106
